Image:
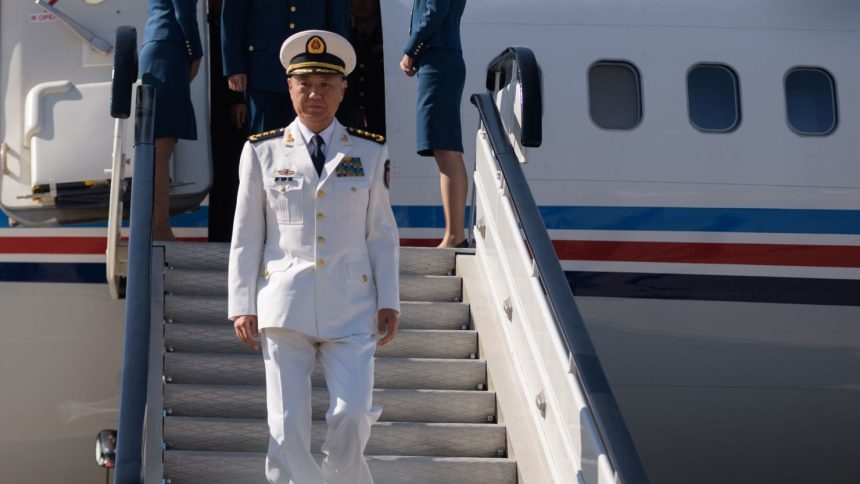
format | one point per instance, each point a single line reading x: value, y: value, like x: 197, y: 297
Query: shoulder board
x: 377, y: 138
x: 267, y: 135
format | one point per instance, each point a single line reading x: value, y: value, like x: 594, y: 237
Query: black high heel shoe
x: 463, y: 245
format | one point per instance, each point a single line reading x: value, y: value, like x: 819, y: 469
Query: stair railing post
x: 132, y: 401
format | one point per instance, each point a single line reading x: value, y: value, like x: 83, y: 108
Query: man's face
x: 316, y: 97
x: 365, y: 9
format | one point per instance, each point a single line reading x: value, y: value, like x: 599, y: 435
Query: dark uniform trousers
x: 252, y: 32
x: 367, y: 81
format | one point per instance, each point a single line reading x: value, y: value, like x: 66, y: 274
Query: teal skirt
x: 165, y: 66
x: 441, y: 77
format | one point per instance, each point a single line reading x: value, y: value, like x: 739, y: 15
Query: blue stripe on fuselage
x: 661, y: 219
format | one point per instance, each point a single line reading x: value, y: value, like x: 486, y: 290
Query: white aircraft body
x: 699, y: 175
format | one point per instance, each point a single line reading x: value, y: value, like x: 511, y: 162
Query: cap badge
x: 316, y: 45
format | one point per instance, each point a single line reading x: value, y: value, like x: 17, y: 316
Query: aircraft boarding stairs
x: 526, y: 401
x: 439, y: 421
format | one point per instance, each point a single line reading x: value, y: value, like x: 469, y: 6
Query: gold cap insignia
x: 316, y: 45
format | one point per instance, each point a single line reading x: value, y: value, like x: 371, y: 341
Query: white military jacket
x: 314, y: 254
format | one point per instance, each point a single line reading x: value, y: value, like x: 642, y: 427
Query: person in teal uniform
x: 252, y: 32
x: 169, y: 60
x: 434, y: 52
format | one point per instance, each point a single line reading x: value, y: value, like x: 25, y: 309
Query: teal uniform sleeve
x: 431, y: 18
x: 186, y: 17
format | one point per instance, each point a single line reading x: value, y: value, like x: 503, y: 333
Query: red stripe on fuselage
x: 698, y: 253
x: 710, y: 253
x: 62, y: 245
x: 593, y: 250
x: 53, y: 245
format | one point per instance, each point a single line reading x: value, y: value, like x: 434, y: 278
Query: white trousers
x: 289, y: 359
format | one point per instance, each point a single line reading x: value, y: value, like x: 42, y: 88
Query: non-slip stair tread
x: 387, y: 438
x: 182, y: 309
x: 197, y: 467
x: 214, y: 256
x: 398, y: 405
x: 214, y: 283
x: 221, y: 338
x: 236, y: 369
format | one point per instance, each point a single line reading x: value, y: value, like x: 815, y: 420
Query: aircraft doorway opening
x: 363, y: 106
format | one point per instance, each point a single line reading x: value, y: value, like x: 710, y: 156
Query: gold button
x: 293, y: 8
x: 320, y: 216
x: 250, y: 48
x: 352, y: 189
x: 266, y: 273
x: 292, y: 26
x: 321, y: 194
x: 320, y: 240
x: 364, y: 277
x: 282, y: 189
x: 320, y: 262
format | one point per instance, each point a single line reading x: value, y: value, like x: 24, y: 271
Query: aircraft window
x: 614, y: 95
x: 713, y: 98
x: 810, y: 100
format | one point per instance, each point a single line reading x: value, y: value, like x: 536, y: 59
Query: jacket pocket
x: 276, y: 266
x: 353, y: 194
x: 359, y: 271
x: 286, y: 199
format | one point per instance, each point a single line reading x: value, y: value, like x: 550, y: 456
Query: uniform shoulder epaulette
x: 376, y: 138
x: 266, y: 135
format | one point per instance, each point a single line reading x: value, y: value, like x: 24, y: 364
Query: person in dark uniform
x: 252, y: 31
x: 435, y: 53
x: 367, y: 81
x: 169, y: 60
x: 228, y: 118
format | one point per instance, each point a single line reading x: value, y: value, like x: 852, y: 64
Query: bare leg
x: 454, y: 184
x: 161, y: 211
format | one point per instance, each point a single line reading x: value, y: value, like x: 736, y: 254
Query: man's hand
x: 195, y: 66
x: 238, y: 114
x: 237, y: 82
x: 246, y: 330
x: 387, y: 322
x: 407, y: 65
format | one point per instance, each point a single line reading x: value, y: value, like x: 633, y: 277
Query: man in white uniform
x: 314, y: 266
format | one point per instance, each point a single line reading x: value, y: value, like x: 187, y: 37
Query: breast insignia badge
x: 349, y: 166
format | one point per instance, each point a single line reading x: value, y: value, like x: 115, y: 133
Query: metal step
x: 214, y: 255
x: 386, y: 438
x: 246, y: 401
x: 221, y: 338
x: 413, y: 314
x: 194, y: 467
x: 214, y: 283
x: 431, y: 374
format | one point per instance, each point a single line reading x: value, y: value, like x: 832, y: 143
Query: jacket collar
x: 339, y: 146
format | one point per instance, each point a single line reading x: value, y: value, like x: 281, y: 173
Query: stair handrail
x: 588, y: 370
x: 132, y: 401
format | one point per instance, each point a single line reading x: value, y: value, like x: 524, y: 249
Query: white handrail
x: 116, y: 264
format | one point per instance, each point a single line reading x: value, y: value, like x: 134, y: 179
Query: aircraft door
x: 57, y: 133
